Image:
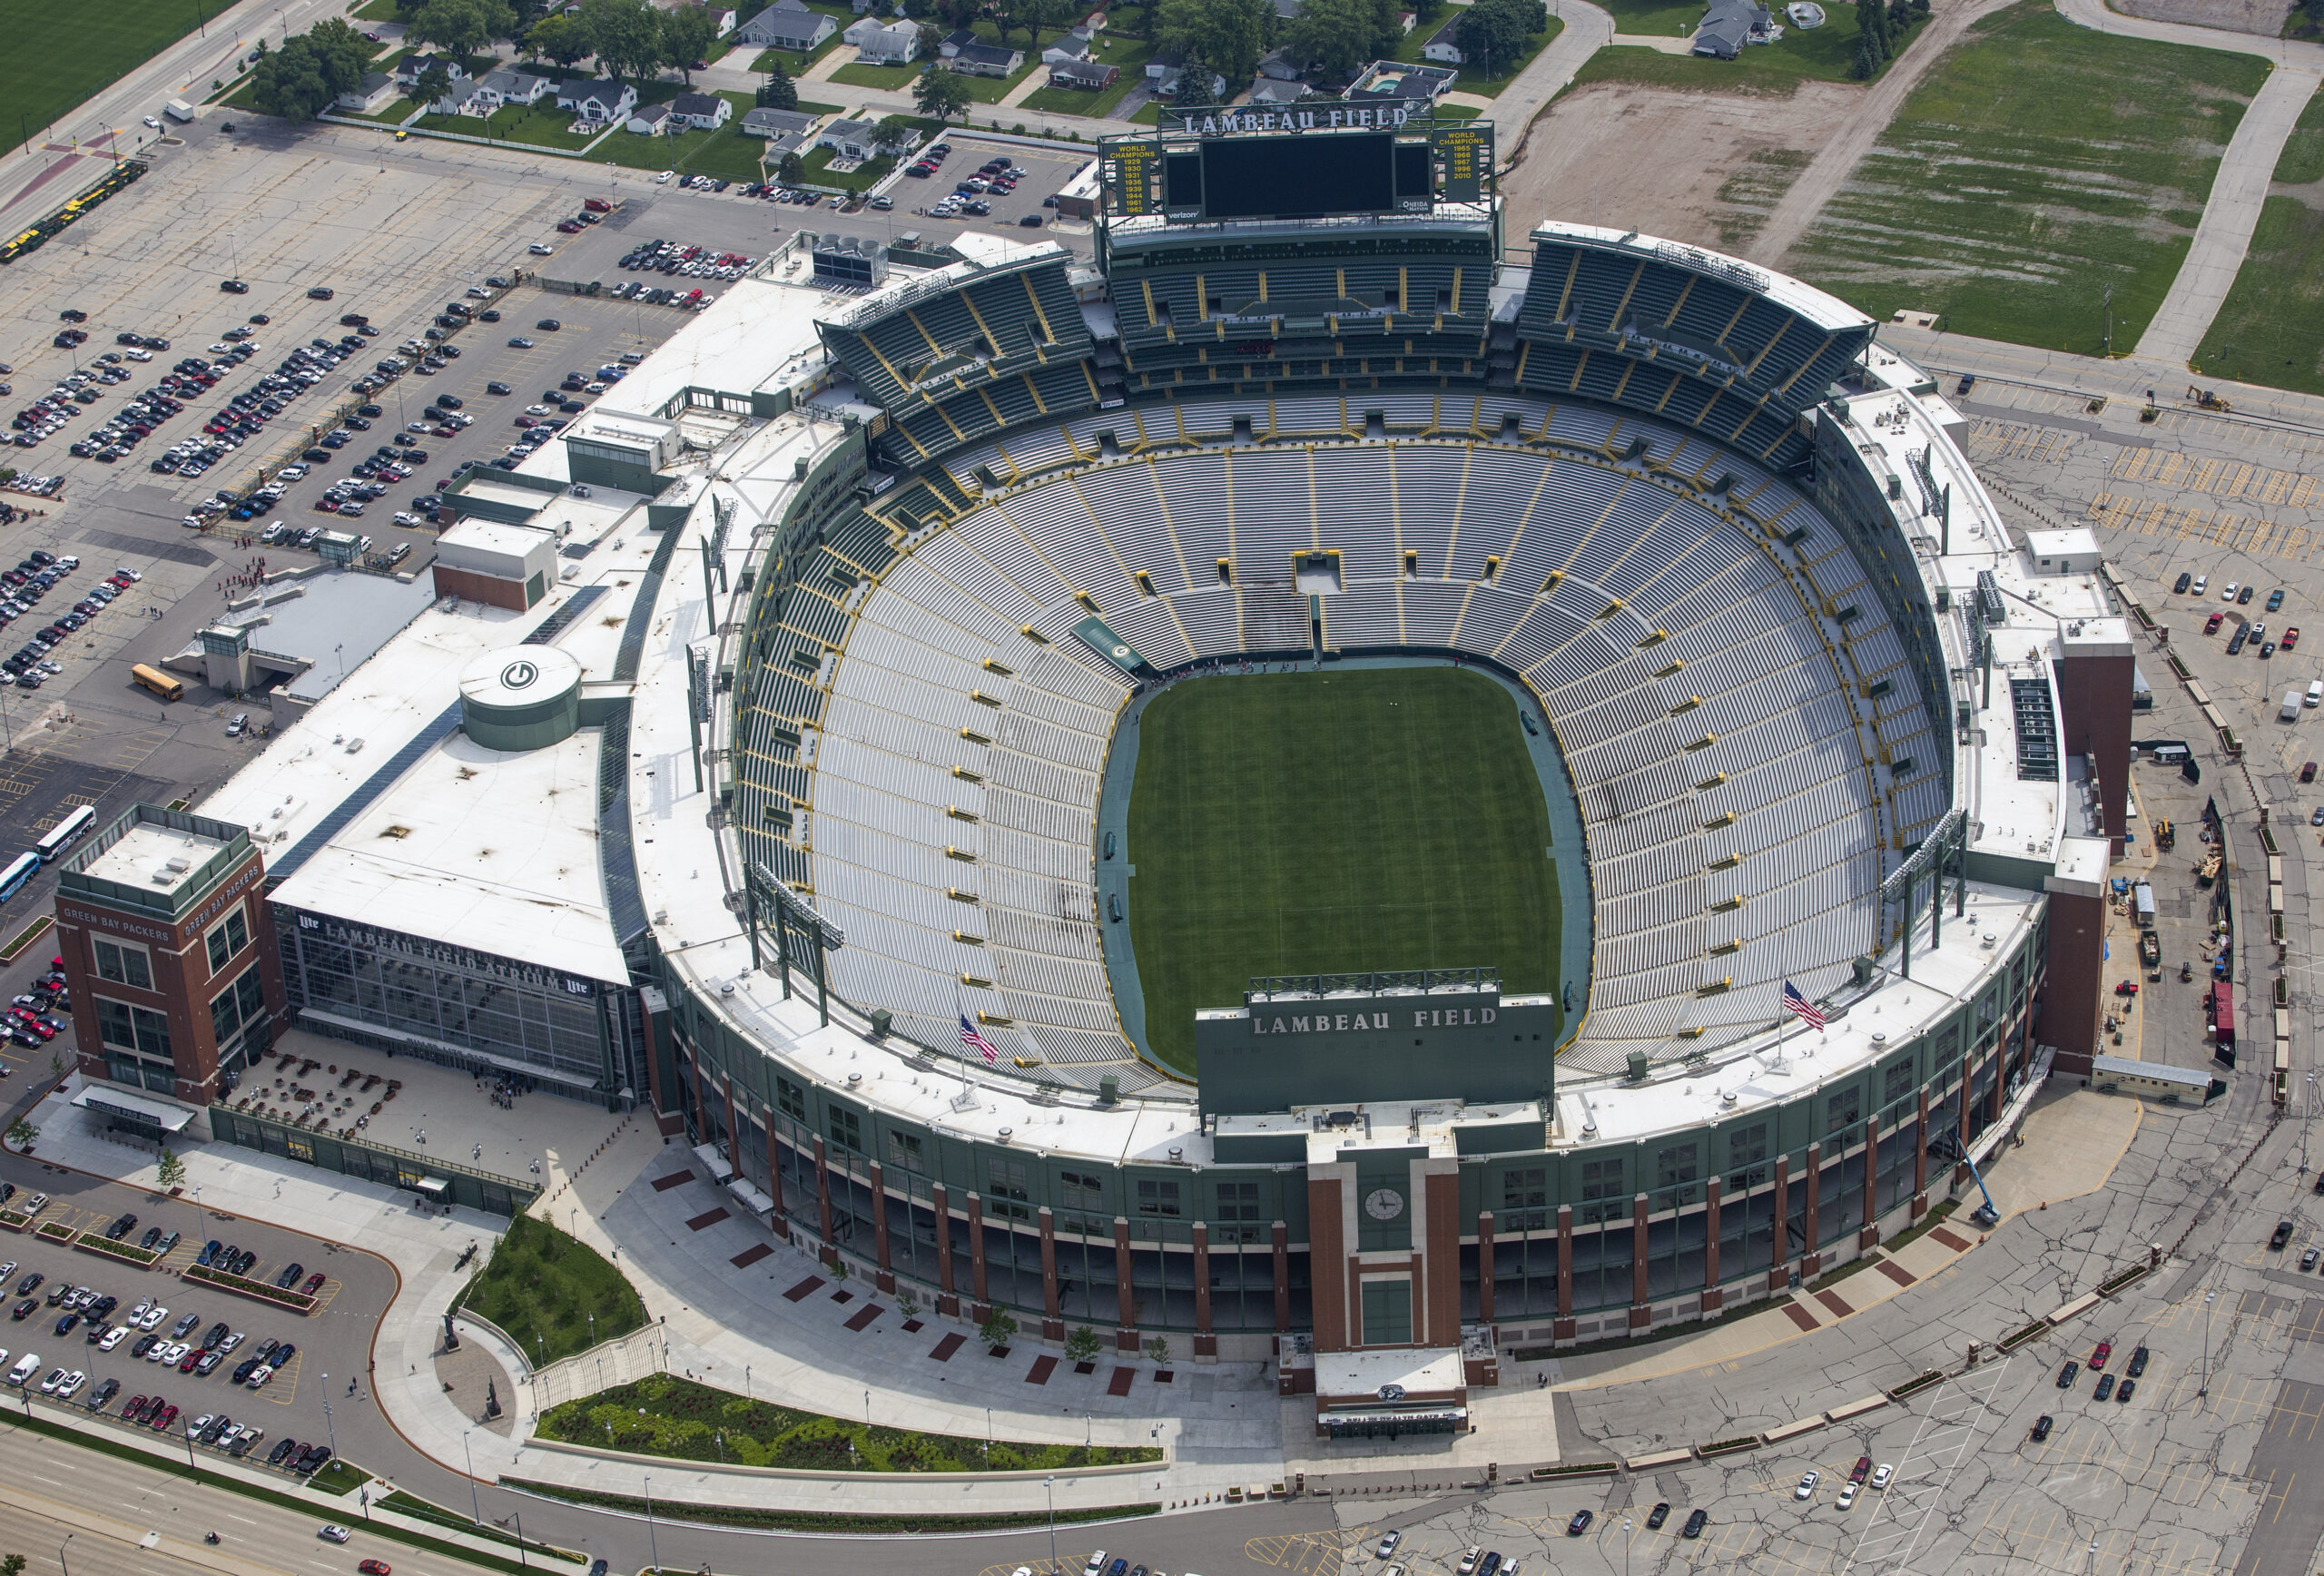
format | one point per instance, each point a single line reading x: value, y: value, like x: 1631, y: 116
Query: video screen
x: 1297, y: 177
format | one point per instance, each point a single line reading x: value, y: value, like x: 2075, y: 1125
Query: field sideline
x: 1377, y: 818
x: 57, y: 59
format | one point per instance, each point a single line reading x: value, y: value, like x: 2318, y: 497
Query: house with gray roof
x: 787, y: 24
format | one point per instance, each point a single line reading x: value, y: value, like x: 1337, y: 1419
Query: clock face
x: 1383, y: 1204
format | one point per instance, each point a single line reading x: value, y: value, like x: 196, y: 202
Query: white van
x: 26, y: 1366
x: 2316, y: 693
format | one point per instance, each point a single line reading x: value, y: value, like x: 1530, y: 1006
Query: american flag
x: 970, y: 1036
x: 1795, y: 1004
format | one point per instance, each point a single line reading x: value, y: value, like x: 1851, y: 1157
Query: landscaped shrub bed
x: 687, y: 1421
x: 281, y: 1296
x: 541, y: 1286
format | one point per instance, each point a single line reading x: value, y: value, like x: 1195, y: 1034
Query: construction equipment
x: 2207, y: 399
x: 2165, y: 838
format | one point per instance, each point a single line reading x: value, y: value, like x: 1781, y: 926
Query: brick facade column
x: 1205, y: 1340
x: 1968, y: 1071
x: 1712, y: 1297
x: 947, y: 1300
x: 1053, y: 1317
x: 981, y: 1309
x: 1126, y: 1328
x: 830, y: 1252
x: 1484, y: 1267
x: 1640, y: 1313
x: 1777, y: 1277
x: 2000, y: 1096
x: 1811, y: 1258
x: 1920, y: 1158
x: 1282, y: 1233
x: 886, y: 1278
x: 1868, y: 1235
x: 1564, y: 1329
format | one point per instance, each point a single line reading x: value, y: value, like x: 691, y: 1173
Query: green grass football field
x: 1303, y: 823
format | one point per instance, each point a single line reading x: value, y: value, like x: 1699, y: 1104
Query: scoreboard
x: 1308, y: 164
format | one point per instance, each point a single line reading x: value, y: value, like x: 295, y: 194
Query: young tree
x: 21, y: 1133
x: 169, y: 1171
x: 893, y: 134
x: 559, y: 38
x: 1082, y: 1346
x: 687, y: 37
x: 790, y: 169
x: 778, y: 91
x: 625, y: 35
x: 1866, y: 62
x: 997, y: 1331
x: 1872, y: 33
x: 939, y: 94
x: 14, y: 1565
x: 1194, y: 87
x: 299, y: 81
x: 1157, y: 1351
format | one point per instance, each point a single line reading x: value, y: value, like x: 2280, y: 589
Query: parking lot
x: 334, y: 1339
x: 1044, y: 175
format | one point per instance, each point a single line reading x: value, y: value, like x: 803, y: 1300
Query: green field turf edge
x: 1323, y: 823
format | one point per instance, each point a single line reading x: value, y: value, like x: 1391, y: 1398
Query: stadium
x: 1327, y: 787
x: 1309, y: 618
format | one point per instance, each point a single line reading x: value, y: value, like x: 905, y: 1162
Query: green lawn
x: 1127, y: 53
x: 2038, y: 164
x: 542, y: 1287
x: 1661, y: 18
x: 541, y: 125
x: 790, y: 60
x: 1354, y: 819
x: 1821, y: 54
x: 679, y: 1418
x: 374, y: 11
x: 724, y: 153
x: 991, y: 90
x: 57, y: 56
x: 892, y: 78
x: 393, y: 115
x: 1472, y: 79
x: 1149, y: 113
x: 2270, y: 329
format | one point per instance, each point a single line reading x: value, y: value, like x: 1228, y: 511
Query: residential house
x: 1444, y: 44
x: 1280, y: 66
x: 1729, y: 24
x: 653, y: 121
x: 1088, y: 75
x: 412, y: 67
x: 1284, y: 10
x: 514, y: 87
x: 787, y: 24
x: 769, y: 122
x: 723, y: 18
x: 701, y: 111
x: 853, y: 140
x: 1165, y: 82
x: 375, y: 92
x: 1069, y: 48
x: 1269, y: 92
x: 602, y: 101
x: 1416, y: 87
x: 896, y: 43
x: 1407, y: 20
x: 955, y: 40
x: 987, y: 59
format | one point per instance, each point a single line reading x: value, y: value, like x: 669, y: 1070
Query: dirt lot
x: 1699, y: 167
x: 2264, y: 17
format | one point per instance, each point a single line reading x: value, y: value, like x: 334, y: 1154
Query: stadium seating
x: 1707, y: 672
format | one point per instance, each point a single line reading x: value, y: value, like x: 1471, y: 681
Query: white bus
x: 13, y: 879
x: 65, y: 833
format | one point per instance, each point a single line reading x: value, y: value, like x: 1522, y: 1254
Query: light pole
x: 1050, y: 1483
x: 652, y: 1548
x: 330, y: 1431
x: 1626, y: 1546
x: 475, y: 1509
x: 2206, y: 1387
x: 60, y: 1556
x: 2307, y: 1115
